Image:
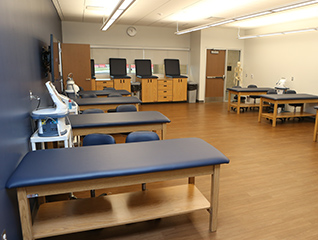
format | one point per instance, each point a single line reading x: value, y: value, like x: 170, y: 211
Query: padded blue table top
x: 117, y: 119
x: 92, y: 162
x: 249, y: 89
x: 106, y: 101
x: 297, y: 96
x: 106, y: 92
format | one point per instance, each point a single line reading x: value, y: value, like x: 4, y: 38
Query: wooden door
x: 76, y: 59
x: 215, y: 74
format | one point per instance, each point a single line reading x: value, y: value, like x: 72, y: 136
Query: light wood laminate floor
x: 269, y: 191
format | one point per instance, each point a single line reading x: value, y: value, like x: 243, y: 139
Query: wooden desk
x: 57, y: 171
x: 243, y: 92
x: 106, y: 103
x: 119, y: 122
x: 285, y: 99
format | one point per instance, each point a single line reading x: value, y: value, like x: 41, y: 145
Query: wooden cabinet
x: 179, y: 89
x: 122, y: 84
x: 100, y: 85
x: 149, y: 90
x: 164, y: 90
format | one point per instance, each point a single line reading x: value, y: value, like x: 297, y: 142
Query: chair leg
x: 92, y: 193
x: 143, y: 187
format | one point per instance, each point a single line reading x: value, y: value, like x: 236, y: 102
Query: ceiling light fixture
x: 252, y: 15
x: 121, y: 7
x: 278, y: 33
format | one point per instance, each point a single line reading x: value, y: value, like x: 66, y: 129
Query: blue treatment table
x: 105, y: 93
x: 106, y: 103
x: 119, y: 122
x: 243, y: 92
x: 56, y: 171
x: 285, y: 99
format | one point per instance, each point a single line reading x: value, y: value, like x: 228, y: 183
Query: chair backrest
x: 143, y: 67
x: 98, y: 139
x: 92, y: 110
x: 252, y: 86
x: 290, y: 92
x: 115, y: 95
x: 271, y: 91
x: 142, y: 136
x: 117, y: 66
x: 88, y: 95
x: 126, y: 108
x: 172, y: 67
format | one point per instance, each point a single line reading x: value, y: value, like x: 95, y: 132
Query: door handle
x: 215, y: 77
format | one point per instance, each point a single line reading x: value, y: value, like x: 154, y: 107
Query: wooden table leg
x: 260, y: 111
x: 25, y: 214
x: 316, y: 126
x: 238, y: 103
x: 214, y: 198
x: 163, y: 131
x: 275, y: 114
x: 229, y: 102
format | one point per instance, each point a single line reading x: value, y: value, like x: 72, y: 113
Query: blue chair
x: 142, y: 136
x: 126, y: 108
x: 98, y: 139
x: 88, y: 95
x: 92, y: 110
x: 115, y: 95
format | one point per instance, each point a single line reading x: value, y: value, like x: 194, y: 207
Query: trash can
x: 135, y: 89
x: 192, y: 92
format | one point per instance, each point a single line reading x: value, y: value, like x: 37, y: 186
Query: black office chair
x: 126, y: 108
x: 142, y: 136
x: 98, y: 139
x: 253, y: 96
x: 271, y: 105
x: 295, y: 105
x: 236, y: 98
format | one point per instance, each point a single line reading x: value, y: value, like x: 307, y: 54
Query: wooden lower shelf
x: 287, y: 115
x: 72, y: 216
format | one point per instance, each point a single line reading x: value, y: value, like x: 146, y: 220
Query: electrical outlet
x: 4, y: 235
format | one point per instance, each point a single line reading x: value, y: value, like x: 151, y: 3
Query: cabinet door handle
x: 165, y: 85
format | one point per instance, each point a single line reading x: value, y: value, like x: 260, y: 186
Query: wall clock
x: 131, y: 31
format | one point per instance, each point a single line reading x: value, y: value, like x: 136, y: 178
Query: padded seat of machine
x: 71, y: 164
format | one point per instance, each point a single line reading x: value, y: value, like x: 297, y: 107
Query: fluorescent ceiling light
x: 122, y: 6
x: 250, y: 16
x: 222, y: 23
x: 253, y: 15
x: 295, y: 6
x: 279, y: 33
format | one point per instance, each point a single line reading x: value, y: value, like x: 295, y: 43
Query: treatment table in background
x: 285, y: 99
x: 119, y: 122
x: 64, y: 170
x: 106, y: 103
x: 244, y: 92
x: 106, y: 92
x: 316, y: 125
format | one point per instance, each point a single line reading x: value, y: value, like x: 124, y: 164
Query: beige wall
x: 289, y: 56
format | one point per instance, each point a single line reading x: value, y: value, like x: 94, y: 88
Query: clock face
x: 131, y: 31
